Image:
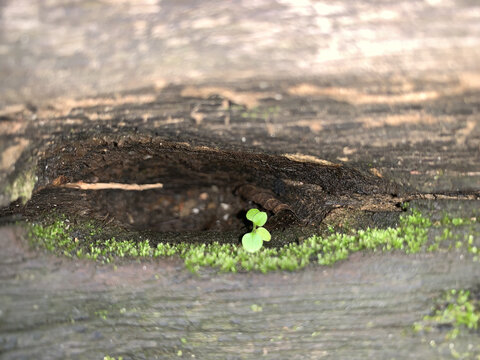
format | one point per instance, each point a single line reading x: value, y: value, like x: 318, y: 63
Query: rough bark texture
x: 388, y: 89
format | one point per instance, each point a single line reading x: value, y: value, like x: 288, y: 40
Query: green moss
x: 457, y: 233
x: 455, y: 221
x: 86, y: 240
x: 410, y: 236
x: 471, y: 248
x: 22, y: 186
x: 102, y: 314
x: 256, y: 308
x: 455, y: 310
x: 54, y: 237
x: 60, y: 236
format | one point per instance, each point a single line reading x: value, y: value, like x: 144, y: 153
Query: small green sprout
x: 256, y: 308
x: 253, y: 241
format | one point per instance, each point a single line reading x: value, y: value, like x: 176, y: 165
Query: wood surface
x: 389, y: 88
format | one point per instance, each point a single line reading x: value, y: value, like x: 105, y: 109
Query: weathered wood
x: 361, y: 308
x: 389, y: 89
x: 371, y: 85
x: 426, y: 145
x: 59, y: 48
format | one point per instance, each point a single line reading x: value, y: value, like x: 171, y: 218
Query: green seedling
x: 253, y: 241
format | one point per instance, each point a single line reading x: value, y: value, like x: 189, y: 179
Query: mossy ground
x: 415, y: 232
x: 455, y: 314
x: 454, y: 310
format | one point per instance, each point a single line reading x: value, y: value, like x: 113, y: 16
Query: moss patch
x: 86, y: 240
x: 456, y: 233
x: 455, y: 310
x: 22, y: 186
x: 455, y: 316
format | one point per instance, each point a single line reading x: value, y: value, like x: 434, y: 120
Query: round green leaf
x: 260, y: 218
x: 264, y: 233
x: 251, y: 213
x: 252, y: 242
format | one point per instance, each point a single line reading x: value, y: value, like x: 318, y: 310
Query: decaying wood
x: 262, y: 197
x: 283, y: 217
x: 388, y: 88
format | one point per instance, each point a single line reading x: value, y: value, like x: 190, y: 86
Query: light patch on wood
x: 12, y: 109
x: 314, y: 125
x: 137, y: 7
x: 296, y: 183
x: 15, y: 127
x: 461, y: 136
x: 63, y: 106
x: 271, y: 129
x: 249, y: 99
x: 375, y: 172
x: 354, y: 96
x: 474, y: 196
x: 310, y: 159
x: 146, y: 116
x: 11, y: 154
x: 71, y: 121
x: 61, y: 180
x: 210, y: 22
x: 349, y: 151
x: 205, y: 148
x: 197, y: 116
x: 225, y: 104
x: 399, y: 120
x: 168, y: 121
x: 111, y: 185
x: 470, y: 80
x: 226, y: 120
x: 159, y: 83
x: 99, y: 116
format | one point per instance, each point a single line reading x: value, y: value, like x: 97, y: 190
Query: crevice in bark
x: 154, y: 185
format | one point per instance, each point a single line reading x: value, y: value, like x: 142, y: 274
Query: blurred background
x: 75, y: 48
